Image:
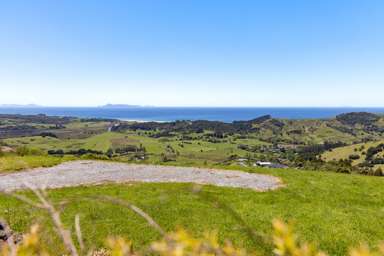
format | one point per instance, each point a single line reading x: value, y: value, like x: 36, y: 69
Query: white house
x: 264, y: 164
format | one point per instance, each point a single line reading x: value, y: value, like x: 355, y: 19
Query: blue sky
x: 192, y: 53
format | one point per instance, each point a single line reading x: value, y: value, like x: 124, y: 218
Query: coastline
x: 166, y: 114
x: 139, y: 121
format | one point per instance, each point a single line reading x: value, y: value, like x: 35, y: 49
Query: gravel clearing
x: 77, y: 173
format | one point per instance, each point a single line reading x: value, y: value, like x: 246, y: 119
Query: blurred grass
x: 334, y: 211
x: 9, y: 163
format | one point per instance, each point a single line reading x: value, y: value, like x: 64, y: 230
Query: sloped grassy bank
x: 332, y: 210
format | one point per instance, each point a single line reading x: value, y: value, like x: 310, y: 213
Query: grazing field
x: 334, y: 211
x: 193, y: 152
x: 344, y: 153
x: 100, y: 142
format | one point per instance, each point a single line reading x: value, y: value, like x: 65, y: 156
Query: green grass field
x: 194, y: 152
x: 101, y: 142
x: 16, y: 163
x: 334, y: 211
x: 345, y: 152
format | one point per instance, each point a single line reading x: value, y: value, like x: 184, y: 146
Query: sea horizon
x: 166, y: 114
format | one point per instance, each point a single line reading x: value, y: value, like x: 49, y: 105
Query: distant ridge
x: 19, y: 106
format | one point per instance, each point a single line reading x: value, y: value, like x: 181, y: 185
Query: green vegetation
x: 346, y: 151
x: 335, y: 211
x: 179, y: 242
x: 332, y: 210
x: 368, y: 154
x: 16, y: 163
x: 194, y: 152
x: 305, y: 144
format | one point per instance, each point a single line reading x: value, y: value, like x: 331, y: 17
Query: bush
x: 166, y: 158
x: 22, y: 151
x: 373, y: 151
x: 110, y: 152
x: 25, y: 151
x: 377, y: 161
x: 83, y: 151
x: 378, y: 172
x: 48, y: 134
x: 354, y: 157
x: 56, y: 152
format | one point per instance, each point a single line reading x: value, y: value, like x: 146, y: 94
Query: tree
x: 163, y: 158
x: 110, y: 152
x: 378, y: 172
x: 354, y: 157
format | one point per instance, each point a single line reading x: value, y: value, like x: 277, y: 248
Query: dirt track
x: 96, y: 172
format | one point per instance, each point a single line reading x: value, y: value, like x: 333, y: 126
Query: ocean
x: 225, y: 114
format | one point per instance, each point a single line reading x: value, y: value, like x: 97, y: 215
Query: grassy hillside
x: 196, y: 151
x: 332, y: 210
x: 335, y: 211
x: 11, y: 163
x: 100, y: 142
x: 344, y: 153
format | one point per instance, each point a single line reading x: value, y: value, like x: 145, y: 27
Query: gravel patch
x: 77, y: 173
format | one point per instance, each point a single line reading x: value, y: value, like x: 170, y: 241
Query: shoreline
x: 141, y: 121
x: 163, y: 115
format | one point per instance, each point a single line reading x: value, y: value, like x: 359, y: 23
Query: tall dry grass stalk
x: 178, y: 243
x: 45, y: 204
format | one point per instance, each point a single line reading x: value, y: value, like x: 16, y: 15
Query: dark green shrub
x: 378, y: 172
x: 354, y: 157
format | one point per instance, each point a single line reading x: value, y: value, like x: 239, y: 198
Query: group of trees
x: 364, y: 119
x: 369, y: 165
x: 311, y: 152
x: 170, y: 154
x: 354, y: 118
x: 128, y: 149
x: 372, y: 151
x: 78, y: 152
x: 198, y: 126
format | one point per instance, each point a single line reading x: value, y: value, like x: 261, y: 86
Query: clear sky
x: 192, y: 52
